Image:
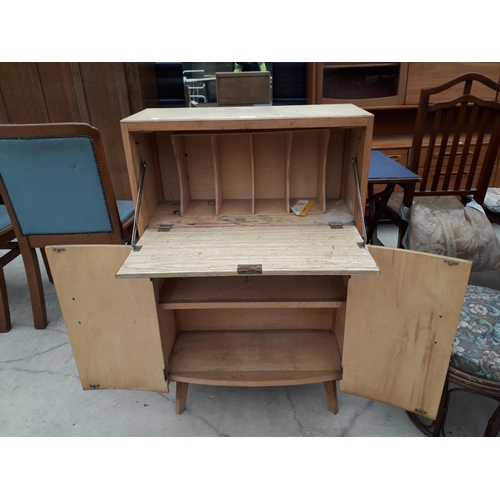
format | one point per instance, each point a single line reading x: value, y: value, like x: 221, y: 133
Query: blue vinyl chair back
x: 54, y: 185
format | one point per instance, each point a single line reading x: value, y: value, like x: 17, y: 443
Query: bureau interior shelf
x: 255, y: 358
x: 253, y: 292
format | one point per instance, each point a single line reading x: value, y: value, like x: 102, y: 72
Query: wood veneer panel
x: 101, y: 84
x: 255, y: 118
x: 264, y: 318
x: 253, y: 291
x: 218, y: 251
x: 59, y: 92
x: 400, y: 327
x: 22, y: 93
x: 426, y: 75
x: 112, y: 325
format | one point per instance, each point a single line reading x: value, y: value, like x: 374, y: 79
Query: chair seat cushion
x: 476, y: 349
x: 395, y: 202
x: 442, y: 225
x: 125, y: 209
x: 492, y: 200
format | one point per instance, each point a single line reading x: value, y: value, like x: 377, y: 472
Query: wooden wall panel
x: 59, y: 92
x: 3, y: 110
x: 103, y: 85
x: 22, y: 93
x: 97, y: 93
x: 428, y: 75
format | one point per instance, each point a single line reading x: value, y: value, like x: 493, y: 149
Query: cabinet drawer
x: 458, y: 159
x: 458, y: 156
x: 399, y: 155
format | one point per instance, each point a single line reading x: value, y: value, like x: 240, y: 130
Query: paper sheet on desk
x: 302, y: 207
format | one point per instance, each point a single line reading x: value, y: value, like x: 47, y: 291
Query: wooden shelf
x: 253, y: 292
x: 256, y: 358
x: 236, y: 207
x: 269, y: 206
x: 201, y: 207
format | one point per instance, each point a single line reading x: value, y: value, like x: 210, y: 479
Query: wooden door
x: 112, y: 324
x: 400, y: 327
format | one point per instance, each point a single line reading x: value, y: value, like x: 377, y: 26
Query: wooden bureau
x: 226, y: 286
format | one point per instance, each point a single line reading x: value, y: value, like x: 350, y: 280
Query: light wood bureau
x: 227, y: 287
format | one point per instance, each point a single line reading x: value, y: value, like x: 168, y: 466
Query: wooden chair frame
x: 28, y: 244
x: 6, y: 243
x: 467, y: 383
x: 454, y: 132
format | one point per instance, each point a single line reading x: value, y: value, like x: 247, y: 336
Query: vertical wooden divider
x: 252, y: 164
x: 156, y: 158
x: 345, y: 167
x: 289, y: 140
x: 322, y: 154
x: 180, y: 156
x: 218, y: 182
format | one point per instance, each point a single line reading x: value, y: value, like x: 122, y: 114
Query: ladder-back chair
x: 455, y: 143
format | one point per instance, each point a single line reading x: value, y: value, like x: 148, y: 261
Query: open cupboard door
x: 112, y: 324
x: 400, y: 327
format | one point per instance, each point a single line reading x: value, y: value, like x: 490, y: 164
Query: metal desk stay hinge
x: 360, y: 203
x: 135, y: 247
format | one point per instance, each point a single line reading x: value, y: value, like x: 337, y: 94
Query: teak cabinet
x: 226, y: 286
x: 391, y: 91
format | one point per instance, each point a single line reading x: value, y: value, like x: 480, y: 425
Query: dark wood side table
x: 384, y: 170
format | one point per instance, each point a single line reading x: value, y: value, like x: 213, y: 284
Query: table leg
x: 409, y: 190
x: 331, y: 396
x: 379, y: 210
x: 181, y: 390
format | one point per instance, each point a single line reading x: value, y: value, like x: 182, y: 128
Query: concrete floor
x: 41, y: 395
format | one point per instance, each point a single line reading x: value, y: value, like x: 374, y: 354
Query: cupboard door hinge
x: 422, y: 413
x: 165, y: 374
x: 164, y: 228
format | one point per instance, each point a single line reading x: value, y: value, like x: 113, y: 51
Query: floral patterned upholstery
x: 476, y: 349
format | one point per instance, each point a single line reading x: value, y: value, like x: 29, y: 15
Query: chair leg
x: 5, y: 324
x: 46, y: 263
x: 35, y: 285
x: 181, y: 391
x: 442, y: 412
x: 493, y: 427
x: 331, y: 396
x: 436, y: 427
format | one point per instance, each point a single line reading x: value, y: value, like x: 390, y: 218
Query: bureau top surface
x: 248, y: 117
